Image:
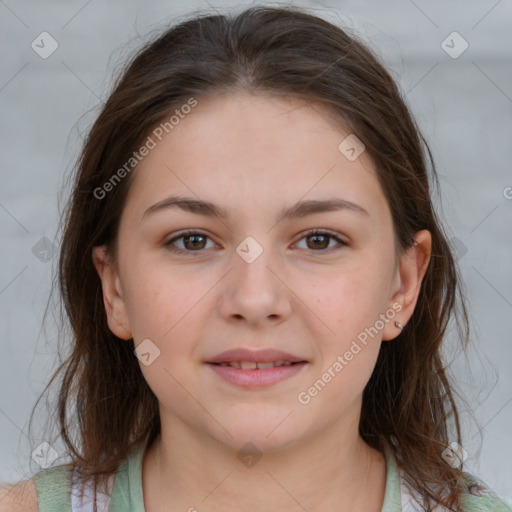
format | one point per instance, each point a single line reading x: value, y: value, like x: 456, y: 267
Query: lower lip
x: 252, y: 379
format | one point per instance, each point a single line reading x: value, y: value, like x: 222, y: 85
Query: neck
x: 196, y: 472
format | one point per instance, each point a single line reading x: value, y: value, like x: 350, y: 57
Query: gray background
x: 463, y: 105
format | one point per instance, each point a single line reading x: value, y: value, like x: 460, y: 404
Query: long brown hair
x: 408, y: 402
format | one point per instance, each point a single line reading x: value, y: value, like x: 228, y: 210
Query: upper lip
x: 256, y: 356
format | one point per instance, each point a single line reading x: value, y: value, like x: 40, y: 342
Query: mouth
x: 254, y: 370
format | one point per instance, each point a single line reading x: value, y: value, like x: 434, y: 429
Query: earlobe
x: 113, y: 299
x: 412, y: 269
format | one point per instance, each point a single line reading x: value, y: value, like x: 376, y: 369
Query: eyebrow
x: 298, y: 210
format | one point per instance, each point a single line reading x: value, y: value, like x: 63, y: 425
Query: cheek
x: 348, y: 340
x: 161, y: 304
x: 344, y: 302
x: 349, y: 333
x: 166, y: 312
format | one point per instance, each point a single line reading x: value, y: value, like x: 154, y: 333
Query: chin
x: 261, y: 436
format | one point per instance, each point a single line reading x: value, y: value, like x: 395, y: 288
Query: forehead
x: 252, y: 152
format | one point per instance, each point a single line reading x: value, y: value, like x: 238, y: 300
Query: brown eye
x: 193, y: 241
x: 320, y: 240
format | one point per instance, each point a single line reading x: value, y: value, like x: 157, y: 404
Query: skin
x: 255, y: 155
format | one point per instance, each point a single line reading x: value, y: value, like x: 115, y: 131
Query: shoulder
x: 19, y: 497
x: 479, y: 497
x: 47, y: 490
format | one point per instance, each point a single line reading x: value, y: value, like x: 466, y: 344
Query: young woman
x: 258, y: 286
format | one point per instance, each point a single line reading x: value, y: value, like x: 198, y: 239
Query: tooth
x: 249, y: 365
x: 263, y: 366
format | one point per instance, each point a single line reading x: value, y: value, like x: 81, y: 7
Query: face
x: 251, y: 277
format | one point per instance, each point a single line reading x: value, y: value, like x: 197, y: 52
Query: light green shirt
x: 54, y: 487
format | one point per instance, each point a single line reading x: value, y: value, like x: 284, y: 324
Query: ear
x: 115, y: 305
x: 408, y: 278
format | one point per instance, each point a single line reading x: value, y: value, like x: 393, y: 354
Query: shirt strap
x: 54, y: 489
x: 127, y: 492
x: 392, y: 498
x: 481, y: 498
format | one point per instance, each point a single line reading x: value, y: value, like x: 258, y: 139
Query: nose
x: 255, y: 290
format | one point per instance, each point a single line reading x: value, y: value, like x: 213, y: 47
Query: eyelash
x: 306, y: 234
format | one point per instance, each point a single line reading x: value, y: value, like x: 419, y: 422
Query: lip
x: 256, y: 379
x: 255, y: 356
